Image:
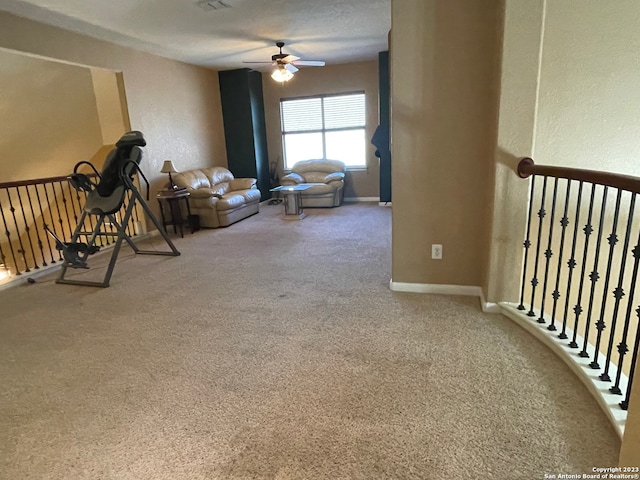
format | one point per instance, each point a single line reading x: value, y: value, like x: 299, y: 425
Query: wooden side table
x: 172, y: 200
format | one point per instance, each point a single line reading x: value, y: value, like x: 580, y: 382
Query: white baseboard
x: 442, y: 289
x: 361, y: 199
x: 384, y: 204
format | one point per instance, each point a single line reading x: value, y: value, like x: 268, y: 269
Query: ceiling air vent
x: 208, y: 5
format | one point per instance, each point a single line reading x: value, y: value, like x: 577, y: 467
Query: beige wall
x: 589, y: 105
x: 345, y: 78
x: 111, y: 111
x: 48, y: 117
x: 175, y: 105
x: 444, y: 94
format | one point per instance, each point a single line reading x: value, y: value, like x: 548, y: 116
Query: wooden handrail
x: 527, y: 167
x: 38, y: 181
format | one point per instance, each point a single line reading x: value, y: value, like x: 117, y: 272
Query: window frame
x: 323, y: 131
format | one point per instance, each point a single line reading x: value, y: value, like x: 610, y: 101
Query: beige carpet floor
x: 275, y: 350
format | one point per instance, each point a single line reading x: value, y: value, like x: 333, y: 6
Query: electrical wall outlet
x: 436, y: 252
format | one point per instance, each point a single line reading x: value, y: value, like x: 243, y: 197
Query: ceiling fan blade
x: 309, y: 63
x: 289, y: 59
x: 290, y: 68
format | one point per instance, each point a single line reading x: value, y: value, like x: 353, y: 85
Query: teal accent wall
x: 384, y: 89
x: 244, y: 126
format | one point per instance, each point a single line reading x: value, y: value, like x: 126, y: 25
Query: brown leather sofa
x: 217, y: 197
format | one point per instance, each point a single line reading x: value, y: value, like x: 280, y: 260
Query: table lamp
x: 167, y: 167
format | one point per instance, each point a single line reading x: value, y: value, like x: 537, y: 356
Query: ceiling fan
x: 286, y: 64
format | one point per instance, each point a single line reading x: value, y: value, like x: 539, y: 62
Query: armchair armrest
x: 335, y: 176
x: 242, y: 184
x: 292, y: 179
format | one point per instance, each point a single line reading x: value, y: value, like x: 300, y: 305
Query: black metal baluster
x: 35, y: 224
x: 15, y: 223
x: 548, y: 252
x: 62, y: 233
x: 75, y: 206
x: 588, y: 230
x: 612, y: 240
x: 618, y: 292
x: 564, y: 222
x: 594, y: 276
x: 634, y: 360
x: 27, y: 230
x: 53, y: 222
x: 534, y: 281
x: 527, y: 244
x: 623, y: 348
x: 66, y: 209
x: 8, y: 234
x: 46, y: 240
x: 571, y: 264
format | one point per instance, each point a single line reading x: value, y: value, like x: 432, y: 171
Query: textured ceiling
x: 335, y: 31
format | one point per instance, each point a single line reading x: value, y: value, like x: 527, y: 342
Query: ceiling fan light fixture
x: 281, y: 75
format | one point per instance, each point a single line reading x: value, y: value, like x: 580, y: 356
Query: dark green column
x: 384, y: 88
x: 244, y: 126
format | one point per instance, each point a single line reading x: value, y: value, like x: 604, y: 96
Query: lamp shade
x: 167, y: 167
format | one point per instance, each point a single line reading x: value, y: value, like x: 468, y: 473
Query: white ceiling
x: 336, y: 31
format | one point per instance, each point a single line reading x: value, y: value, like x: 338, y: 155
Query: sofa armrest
x: 292, y: 179
x: 242, y: 184
x: 335, y: 176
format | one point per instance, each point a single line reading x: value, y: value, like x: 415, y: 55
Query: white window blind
x: 325, y: 126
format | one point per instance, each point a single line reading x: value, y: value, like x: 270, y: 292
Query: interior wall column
x: 521, y: 55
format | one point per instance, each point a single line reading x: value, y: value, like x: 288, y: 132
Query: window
x: 325, y: 126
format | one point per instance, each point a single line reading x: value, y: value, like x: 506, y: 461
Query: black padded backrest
x: 127, y: 148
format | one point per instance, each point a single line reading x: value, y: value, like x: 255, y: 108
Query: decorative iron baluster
x: 8, y: 235
x: 571, y: 264
x: 588, y: 230
x: 623, y: 348
x: 527, y: 244
x: 35, y: 224
x: 618, y: 292
x: 46, y: 240
x: 27, y: 230
x: 15, y: 223
x: 612, y: 240
x: 62, y: 234
x: 594, y: 276
x: 534, y: 281
x: 548, y: 252
x: 564, y: 222
x: 66, y: 209
x: 634, y: 361
x: 53, y: 222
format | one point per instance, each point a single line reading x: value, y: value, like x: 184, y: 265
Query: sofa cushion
x: 230, y: 201
x: 218, y: 175
x: 314, y: 177
x: 250, y: 195
x: 319, y: 189
x: 192, y: 179
x: 242, y: 183
x: 319, y: 165
x: 205, y: 193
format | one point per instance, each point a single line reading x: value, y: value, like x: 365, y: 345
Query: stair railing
x: 25, y: 207
x: 580, y: 267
